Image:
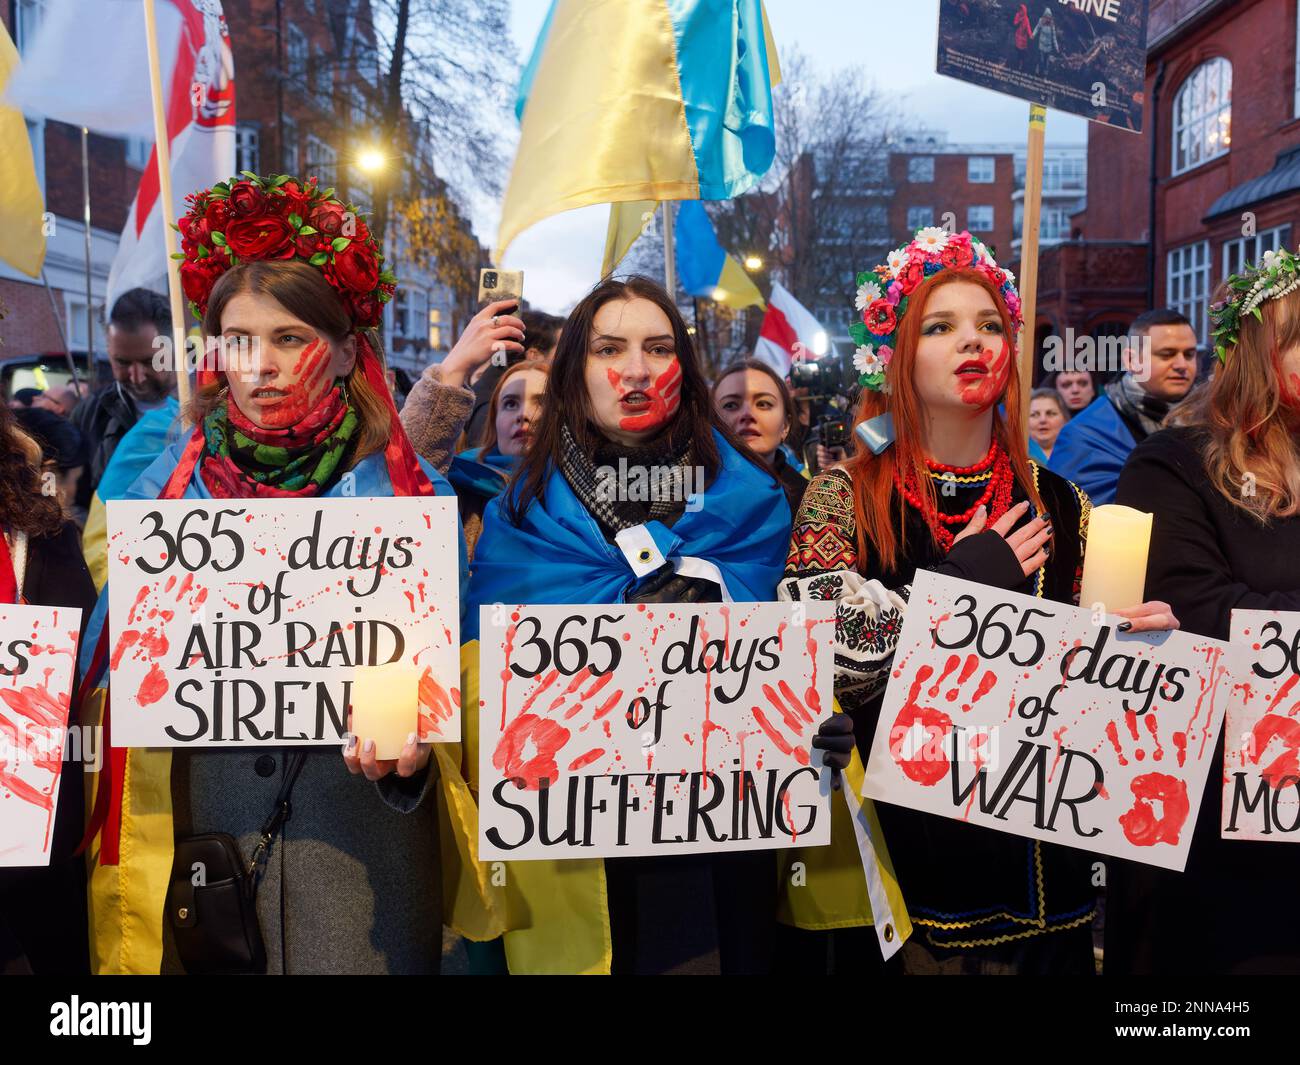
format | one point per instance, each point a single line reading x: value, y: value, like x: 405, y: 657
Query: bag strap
x: 282, y: 812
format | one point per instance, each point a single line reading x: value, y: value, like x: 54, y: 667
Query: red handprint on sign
x: 918, y: 742
x: 528, y: 748
x: 1141, y: 826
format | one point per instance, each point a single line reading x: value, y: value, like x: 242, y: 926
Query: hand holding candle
x: 385, y: 707
x: 1115, y: 565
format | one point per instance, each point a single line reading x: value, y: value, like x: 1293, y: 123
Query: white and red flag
x: 788, y: 323
x: 89, y: 66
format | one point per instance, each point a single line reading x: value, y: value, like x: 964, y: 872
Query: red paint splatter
x: 544, y: 736
x: 153, y: 687
x: 1141, y: 827
x: 920, y: 765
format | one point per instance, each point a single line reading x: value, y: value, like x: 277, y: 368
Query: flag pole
x: 85, y: 218
x: 670, y: 253
x: 163, y: 155
x: 1029, y: 255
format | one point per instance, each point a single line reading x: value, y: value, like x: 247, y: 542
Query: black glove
x: 666, y: 586
x: 835, y: 738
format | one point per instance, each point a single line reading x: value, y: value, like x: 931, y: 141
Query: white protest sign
x: 241, y: 622
x: 642, y: 729
x: 38, y: 649
x: 1261, y: 772
x: 1021, y: 714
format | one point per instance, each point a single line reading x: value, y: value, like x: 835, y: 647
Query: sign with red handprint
x: 38, y: 649
x: 1038, y: 719
x: 1261, y: 749
x: 239, y: 622
x: 652, y: 728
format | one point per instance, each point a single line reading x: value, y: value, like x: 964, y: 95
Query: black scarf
x: 1136, y: 406
x: 603, y: 481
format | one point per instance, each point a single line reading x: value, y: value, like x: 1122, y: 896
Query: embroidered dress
x: 965, y: 886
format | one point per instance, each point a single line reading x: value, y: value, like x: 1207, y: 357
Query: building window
x: 361, y: 191
x: 139, y: 150
x: 1249, y: 250
x: 435, y: 327
x: 75, y: 310
x: 1203, y: 115
x: 360, y: 109
x: 980, y: 219
x: 295, y: 52
x: 919, y: 218
x: 979, y: 169
x: 1187, y: 285
x: 1054, y: 224
x: 28, y: 16
x: 1064, y: 173
x: 323, y: 82
x: 322, y: 161
x: 247, y: 155
x: 920, y: 168
x: 289, y: 137
x: 36, y: 134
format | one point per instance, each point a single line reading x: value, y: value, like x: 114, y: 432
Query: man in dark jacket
x: 1160, y: 369
x: 138, y: 317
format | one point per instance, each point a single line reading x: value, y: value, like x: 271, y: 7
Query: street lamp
x: 372, y: 160
x: 753, y: 262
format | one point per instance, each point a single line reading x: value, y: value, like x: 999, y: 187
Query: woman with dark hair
x: 42, y: 910
x: 355, y: 886
x: 480, y: 473
x: 1223, y: 481
x: 755, y: 402
x: 940, y: 480
x: 626, y: 393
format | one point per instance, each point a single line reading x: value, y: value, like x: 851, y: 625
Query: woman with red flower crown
x: 944, y: 482
x: 276, y: 265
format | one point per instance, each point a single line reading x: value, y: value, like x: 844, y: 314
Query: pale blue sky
x: 893, y: 41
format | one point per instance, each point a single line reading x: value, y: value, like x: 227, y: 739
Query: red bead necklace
x: 996, y: 495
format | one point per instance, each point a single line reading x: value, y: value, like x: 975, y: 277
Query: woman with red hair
x: 941, y: 480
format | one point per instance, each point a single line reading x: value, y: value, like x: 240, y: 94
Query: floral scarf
x: 244, y: 461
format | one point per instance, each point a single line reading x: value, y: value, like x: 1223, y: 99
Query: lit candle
x: 1115, y: 566
x: 385, y: 706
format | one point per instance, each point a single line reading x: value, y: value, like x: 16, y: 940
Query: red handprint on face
x: 918, y: 741
x: 528, y: 749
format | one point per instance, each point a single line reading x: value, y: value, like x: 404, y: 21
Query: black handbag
x: 214, y: 920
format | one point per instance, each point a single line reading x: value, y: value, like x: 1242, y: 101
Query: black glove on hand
x: 835, y: 738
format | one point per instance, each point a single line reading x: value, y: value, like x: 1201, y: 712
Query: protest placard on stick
x: 244, y: 622
x: 1034, y: 718
x: 1261, y: 772
x: 643, y: 729
x: 38, y: 648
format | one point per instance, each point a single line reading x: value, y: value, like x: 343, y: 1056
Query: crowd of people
x: 515, y: 422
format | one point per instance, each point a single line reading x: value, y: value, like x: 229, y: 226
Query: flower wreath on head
x: 252, y: 218
x: 1277, y: 275
x: 883, y: 293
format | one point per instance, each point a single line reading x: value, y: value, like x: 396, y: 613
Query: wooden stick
x: 164, y: 156
x: 670, y: 253
x: 1029, y: 254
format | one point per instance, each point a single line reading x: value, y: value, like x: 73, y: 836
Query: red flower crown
x: 281, y: 217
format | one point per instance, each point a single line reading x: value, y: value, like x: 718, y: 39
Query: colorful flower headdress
x: 255, y: 218
x: 884, y: 292
x: 1277, y: 275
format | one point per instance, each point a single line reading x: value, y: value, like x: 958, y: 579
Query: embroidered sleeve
x: 1085, y: 512
x: 823, y: 564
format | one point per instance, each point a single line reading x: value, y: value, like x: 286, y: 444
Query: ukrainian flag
x: 641, y: 100
x: 703, y: 266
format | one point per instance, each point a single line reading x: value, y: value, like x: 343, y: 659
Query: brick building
x: 1222, y: 139
x: 31, y: 324
x: 308, y: 82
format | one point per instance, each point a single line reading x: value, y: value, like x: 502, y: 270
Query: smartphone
x: 494, y: 284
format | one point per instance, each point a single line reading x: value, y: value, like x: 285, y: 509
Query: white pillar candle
x: 1115, y: 566
x: 385, y: 706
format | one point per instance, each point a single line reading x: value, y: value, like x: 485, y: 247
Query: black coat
x: 1230, y: 910
x: 43, y: 910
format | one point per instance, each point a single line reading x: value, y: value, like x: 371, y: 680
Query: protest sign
x: 652, y: 729
x: 1261, y: 772
x: 38, y: 648
x: 1087, y: 57
x: 243, y: 622
x: 1024, y: 715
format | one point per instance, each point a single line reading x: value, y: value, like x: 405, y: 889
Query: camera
x: 490, y: 279
x: 832, y: 389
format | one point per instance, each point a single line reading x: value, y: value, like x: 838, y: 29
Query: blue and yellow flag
x: 641, y: 100
x: 703, y: 266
